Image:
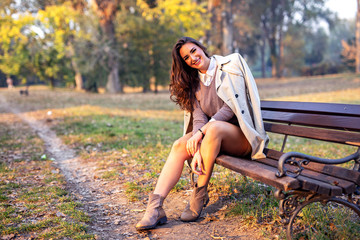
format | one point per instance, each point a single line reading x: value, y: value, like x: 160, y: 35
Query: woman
x: 219, y: 94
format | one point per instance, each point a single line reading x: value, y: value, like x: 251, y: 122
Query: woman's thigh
x: 233, y: 140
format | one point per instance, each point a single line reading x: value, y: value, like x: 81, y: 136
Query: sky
x: 344, y: 8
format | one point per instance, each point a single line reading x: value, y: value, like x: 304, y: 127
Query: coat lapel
x: 220, y: 61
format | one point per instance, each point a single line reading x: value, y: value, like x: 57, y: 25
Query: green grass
x: 331, y: 221
x: 33, y: 199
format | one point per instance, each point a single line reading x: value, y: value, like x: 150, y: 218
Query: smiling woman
x: 220, y: 95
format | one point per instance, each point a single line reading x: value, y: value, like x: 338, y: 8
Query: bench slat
x: 258, y: 171
x: 311, y: 107
x: 322, y: 180
x: 332, y: 170
x: 319, y: 187
x: 265, y: 173
x: 314, y: 120
x: 349, y: 138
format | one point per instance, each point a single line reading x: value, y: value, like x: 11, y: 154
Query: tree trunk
x: 113, y: 84
x: 262, y: 51
x: 280, y: 69
x: 52, y: 83
x: 215, y: 35
x: 79, y: 81
x: 78, y: 76
x: 227, y: 29
x: 273, y: 56
x: 280, y: 63
x: 357, y: 39
x: 264, y: 33
x: 106, y: 10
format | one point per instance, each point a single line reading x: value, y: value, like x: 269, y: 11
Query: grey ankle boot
x: 154, y: 214
x: 199, y: 199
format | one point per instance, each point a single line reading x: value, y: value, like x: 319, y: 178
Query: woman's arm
x: 224, y: 114
x: 199, y: 120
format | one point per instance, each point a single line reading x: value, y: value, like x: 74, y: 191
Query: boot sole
x: 161, y: 221
x: 193, y: 220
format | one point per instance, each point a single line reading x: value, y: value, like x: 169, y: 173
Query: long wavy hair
x: 184, y: 80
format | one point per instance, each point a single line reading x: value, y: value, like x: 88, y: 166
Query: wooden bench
x: 302, y: 179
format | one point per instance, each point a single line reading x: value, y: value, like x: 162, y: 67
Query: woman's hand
x: 196, y: 164
x: 192, y: 145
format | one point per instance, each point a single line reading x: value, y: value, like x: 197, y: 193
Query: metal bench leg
x: 321, y: 217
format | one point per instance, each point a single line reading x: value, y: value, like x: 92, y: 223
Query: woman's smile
x: 194, y: 57
x: 197, y: 62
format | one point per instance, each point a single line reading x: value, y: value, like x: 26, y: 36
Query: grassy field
x: 129, y: 137
x: 34, y: 203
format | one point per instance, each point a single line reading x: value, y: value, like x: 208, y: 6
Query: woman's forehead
x: 185, y: 49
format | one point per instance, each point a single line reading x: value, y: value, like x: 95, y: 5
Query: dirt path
x: 113, y: 217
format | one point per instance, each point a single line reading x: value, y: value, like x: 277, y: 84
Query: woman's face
x: 194, y: 57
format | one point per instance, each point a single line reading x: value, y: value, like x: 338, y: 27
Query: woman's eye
x: 193, y: 50
x: 186, y: 58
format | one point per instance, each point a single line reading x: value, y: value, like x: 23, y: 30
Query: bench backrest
x: 339, y: 123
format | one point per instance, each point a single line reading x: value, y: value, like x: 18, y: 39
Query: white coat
x: 236, y: 86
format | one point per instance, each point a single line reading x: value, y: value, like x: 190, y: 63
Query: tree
x: 15, y: 38
x: 231, y: 29
x: 349, y: 53
x: 53, y: 58
x: 294, y: 54
x: 316, y: 45
x: 107, y: 10
x: 274, y: 18
x: 147, y: 33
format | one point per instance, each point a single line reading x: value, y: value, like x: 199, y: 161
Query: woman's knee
x: 179, y: 145
x: 215, y: 129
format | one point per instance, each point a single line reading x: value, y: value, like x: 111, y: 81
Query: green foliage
x: 54, y: 40
x: 148, y: 33
x: 58, y: 26
x: 16, y: 38
x: 294, y: 45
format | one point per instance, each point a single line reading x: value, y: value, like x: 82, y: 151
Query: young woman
x: 222, y: 114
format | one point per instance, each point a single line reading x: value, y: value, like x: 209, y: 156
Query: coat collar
x: 220, y: 61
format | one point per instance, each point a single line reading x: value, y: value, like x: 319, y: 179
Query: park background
x: 76, y: 164
x: 111, y: 45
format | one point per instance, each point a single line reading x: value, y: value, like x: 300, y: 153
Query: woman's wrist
x: 203, y: 134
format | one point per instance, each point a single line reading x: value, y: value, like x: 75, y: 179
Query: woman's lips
x: 197, y: 62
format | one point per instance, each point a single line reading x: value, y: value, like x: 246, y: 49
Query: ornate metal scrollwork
x: 289, y: 205
x: 290, y: 202
x: 297, y: 163
x: 291, y: 158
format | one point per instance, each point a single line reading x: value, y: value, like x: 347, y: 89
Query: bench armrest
x: 299, y: 159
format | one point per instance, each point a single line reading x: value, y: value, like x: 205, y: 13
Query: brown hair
x: 184, y: 80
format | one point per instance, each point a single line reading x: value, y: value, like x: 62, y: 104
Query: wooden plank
x: 348, y: 138
x: 348, y: 123
x: 343, y: 173
x: 258, y: 171
x: 332, y: 170
x: 346, y: 186
x: 271, y: 153
x: 319, y: 187
x: 308, y: 107
x: 266, y: 174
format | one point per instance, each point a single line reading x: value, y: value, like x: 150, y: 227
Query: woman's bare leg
x: 220, y: 136
x: 173, y: 167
